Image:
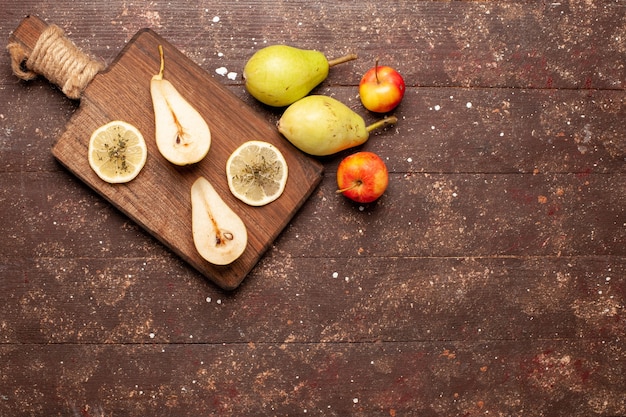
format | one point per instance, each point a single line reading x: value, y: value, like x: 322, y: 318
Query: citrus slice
x: 117, y: 152
x: 257, y: 173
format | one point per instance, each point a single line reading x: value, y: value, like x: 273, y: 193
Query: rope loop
x: 56, y: 58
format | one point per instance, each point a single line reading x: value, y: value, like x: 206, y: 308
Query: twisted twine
x: 56, y: 58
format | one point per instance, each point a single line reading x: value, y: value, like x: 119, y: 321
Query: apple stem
x: 389, y: 120
x: 341, y: 59
x: 354, y: 184
x: 376, y: 70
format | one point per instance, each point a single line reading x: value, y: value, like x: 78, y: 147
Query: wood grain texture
x: 489, y: 280
x: 411, y: 378
x: 159, y: 198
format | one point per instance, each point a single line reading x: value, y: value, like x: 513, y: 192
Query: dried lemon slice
x: 257, y: 173
x: 117, y: 152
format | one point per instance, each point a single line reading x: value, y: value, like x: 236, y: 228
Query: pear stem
x: 341, y: 59
x: 389, y: 120
x: 162, y: 68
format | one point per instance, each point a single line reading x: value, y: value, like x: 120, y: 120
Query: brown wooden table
x: 489, y: 280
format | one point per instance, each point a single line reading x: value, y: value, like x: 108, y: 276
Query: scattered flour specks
x: 152, y: 17
x: 223, y: 71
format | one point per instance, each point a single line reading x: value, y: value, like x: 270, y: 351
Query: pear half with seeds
x: 182, y: 135
x: 219, y: 234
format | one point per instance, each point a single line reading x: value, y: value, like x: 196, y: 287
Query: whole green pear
x: 279, y: 75
x: 320, y: 125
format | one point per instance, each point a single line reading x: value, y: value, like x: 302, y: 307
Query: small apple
x: 381, y: 89
x: 362, y: 177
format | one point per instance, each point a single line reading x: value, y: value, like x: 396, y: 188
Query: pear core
x: 182, y: 135
x: 219, y: 234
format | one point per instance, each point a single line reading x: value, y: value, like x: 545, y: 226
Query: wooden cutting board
x: 158, y: 199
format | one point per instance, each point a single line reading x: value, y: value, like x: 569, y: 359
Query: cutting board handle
x: 37, y: 48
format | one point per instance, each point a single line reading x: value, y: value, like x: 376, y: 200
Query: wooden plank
x: 504, y: 131
x: 471, y: 214
x: 519, y: 44
x: 457, y: 130
x: 452, y: 214
x: 90, y: 301
x: 548, y: 377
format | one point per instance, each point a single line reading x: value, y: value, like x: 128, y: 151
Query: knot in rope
x: 56, y: 58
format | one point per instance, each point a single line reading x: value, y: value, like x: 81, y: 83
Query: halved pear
x: 182, y: 135
x: 219, y: 234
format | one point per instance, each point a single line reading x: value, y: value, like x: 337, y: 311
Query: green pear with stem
x: 219, y: 234
x: 320, y: 125
x: 279, y: 75
x: 182, y: 135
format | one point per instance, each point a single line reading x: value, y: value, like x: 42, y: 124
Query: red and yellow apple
x: 381, y: 89
x: 362, y: 177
